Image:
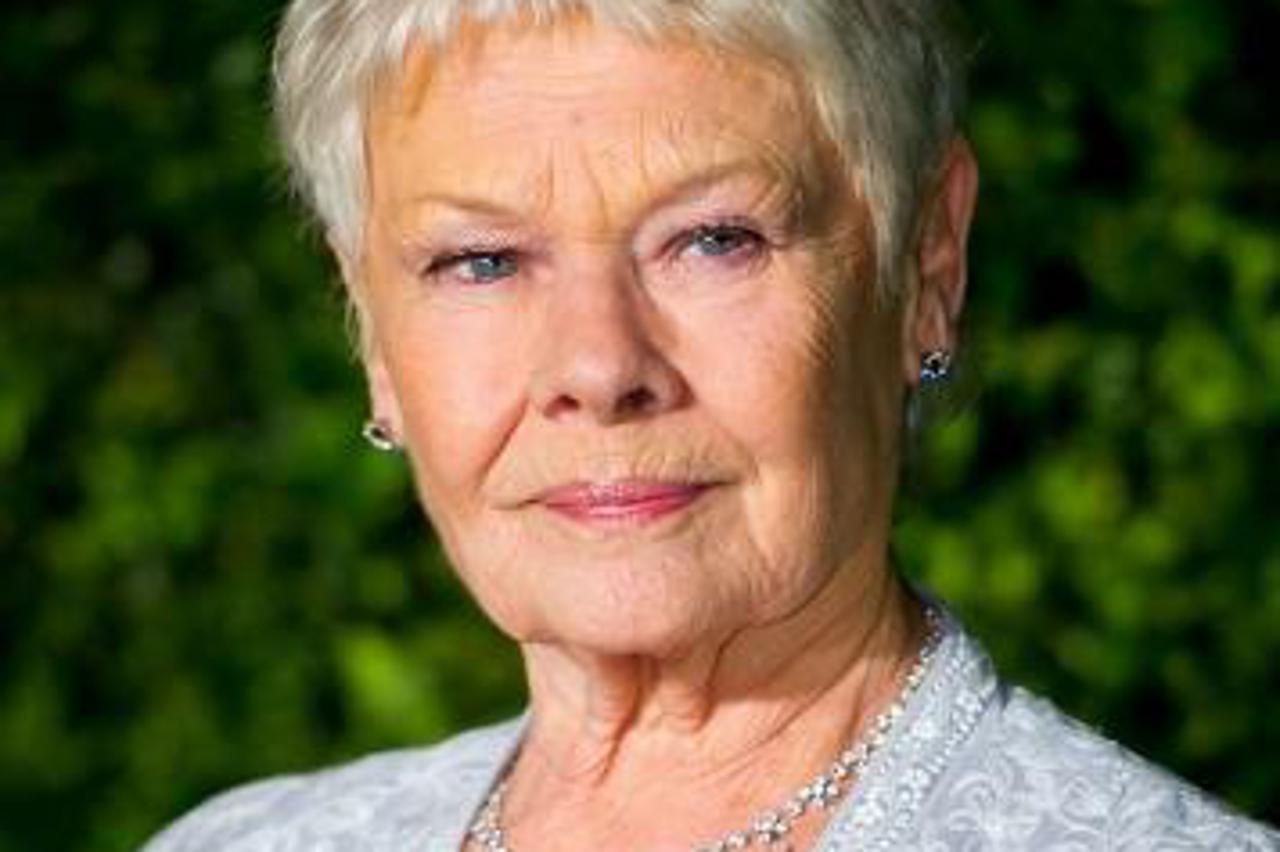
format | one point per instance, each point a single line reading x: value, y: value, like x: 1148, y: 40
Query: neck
x: 763, y: 708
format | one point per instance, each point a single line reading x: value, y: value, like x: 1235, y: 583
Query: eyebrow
x: 681, y: 190
x: 465, y: 203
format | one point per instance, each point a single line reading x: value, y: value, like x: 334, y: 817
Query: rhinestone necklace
x: 771, y: 827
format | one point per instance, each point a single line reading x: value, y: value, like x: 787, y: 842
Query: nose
x: 600, y: 358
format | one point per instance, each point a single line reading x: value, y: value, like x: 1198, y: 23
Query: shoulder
x: 387, y: 800
x: 1032, y: 778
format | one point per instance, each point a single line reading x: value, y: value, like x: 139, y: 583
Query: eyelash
x: 747, y: 237
x: 748, y: 242
x: 446, y: 262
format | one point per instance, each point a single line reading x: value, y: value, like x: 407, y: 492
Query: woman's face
x: 619, y: 307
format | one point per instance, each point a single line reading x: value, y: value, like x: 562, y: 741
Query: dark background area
x: 207, y: 578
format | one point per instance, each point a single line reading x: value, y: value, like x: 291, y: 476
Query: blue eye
x: 723, y: 240
x: 477, y: 267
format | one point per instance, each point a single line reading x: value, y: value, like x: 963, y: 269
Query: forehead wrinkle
x: 655, y: 148
x: 590, y: 202
x: 541, y: 187
x: 784, y: 161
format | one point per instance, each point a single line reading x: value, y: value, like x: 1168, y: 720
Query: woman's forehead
x: 531, y: 112
x: 571, y: 45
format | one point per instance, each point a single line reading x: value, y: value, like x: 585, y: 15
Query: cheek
x: 460, y: 396
x: 799, y: 382
x: 767, y: 369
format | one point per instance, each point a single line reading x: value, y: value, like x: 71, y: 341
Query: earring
x: 935, y: 366
x: 379, y: 435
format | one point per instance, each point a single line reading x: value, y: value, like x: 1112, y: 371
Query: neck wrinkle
x: 710, y: 718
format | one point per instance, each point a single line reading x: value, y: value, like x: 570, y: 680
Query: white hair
x: 885, y: 77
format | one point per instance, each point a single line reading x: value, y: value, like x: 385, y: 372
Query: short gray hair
x: 885, y: 76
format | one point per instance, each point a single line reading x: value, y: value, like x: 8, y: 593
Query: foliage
x: 207, y: 579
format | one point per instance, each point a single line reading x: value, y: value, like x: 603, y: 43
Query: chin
x: 630, y: 609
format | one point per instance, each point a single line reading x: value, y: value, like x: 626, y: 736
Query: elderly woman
x: 645, y: 288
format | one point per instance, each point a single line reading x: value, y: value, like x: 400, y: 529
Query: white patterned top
x: 972, y: 765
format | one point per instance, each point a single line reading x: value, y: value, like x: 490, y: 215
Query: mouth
x: 631, y: 501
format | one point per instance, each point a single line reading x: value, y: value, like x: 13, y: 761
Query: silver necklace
x: 771, y: 827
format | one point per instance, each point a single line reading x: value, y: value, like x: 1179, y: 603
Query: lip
x: 629, y: 501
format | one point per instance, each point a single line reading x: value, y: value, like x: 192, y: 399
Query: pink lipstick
x: 633, y: 500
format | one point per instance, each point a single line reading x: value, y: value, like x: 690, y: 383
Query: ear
x: 933, y: 308
x: 384, y: 403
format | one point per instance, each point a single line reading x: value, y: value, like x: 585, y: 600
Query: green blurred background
x: 208, y: 578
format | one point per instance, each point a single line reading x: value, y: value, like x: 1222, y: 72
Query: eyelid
x: 760, y: 202
x: 442, y: 256
x: 452, y: 257
x: 737, y: 224
x: 429, y: 242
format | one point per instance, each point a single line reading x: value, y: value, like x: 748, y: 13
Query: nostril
x: 563, y: 404
x: 636, y: 400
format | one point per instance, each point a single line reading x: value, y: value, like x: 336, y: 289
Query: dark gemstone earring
x: 379, y: 435
x: 935, y: 366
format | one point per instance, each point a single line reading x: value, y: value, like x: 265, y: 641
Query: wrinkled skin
x: 591, y: 260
